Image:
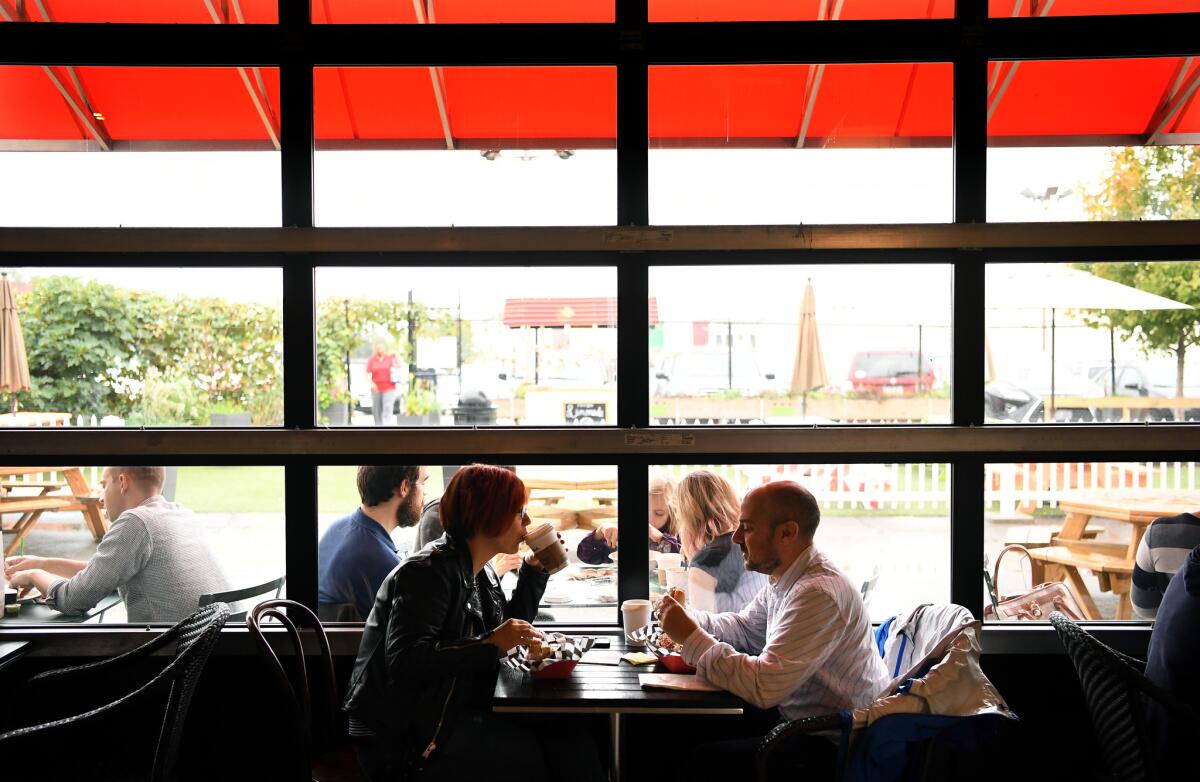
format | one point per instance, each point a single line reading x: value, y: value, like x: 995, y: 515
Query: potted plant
x: 418, y: 407
x: 229, y: 413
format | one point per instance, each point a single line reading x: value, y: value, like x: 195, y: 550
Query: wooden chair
x: 68, y: 747
x: 307, y: 686
x: 232, y: 596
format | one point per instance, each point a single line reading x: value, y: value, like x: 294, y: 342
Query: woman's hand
x: 608, y: 535
x: 514, y: 632
x: 506, y: 562
x: 656, y: 535
x: 532, y: 560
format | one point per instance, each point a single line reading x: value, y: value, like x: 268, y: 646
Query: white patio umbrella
x: 1055, y: 286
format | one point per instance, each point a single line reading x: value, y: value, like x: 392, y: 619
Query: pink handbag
x: 1034, y: 605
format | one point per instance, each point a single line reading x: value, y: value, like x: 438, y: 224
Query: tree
x: 1151, y: 183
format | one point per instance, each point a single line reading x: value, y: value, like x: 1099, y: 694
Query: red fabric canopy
x: 567, y: 312
x: 1098, y: 102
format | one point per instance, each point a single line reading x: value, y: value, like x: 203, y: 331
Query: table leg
x: 22, y: 530
x: 1082, y: 595
x: 1074, y: 526
x: 615, y: 722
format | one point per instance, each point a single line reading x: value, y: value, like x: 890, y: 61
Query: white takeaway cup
x: 635, y: 615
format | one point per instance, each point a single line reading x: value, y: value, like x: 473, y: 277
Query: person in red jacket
x: 383, y: 388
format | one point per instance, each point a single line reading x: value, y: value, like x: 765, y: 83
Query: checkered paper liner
x: 651, y: 636
x: 569, y: 648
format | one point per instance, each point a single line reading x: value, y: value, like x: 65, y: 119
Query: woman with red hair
x: 420, y: 693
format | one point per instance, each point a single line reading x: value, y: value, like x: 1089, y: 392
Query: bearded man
x: 357, y: 553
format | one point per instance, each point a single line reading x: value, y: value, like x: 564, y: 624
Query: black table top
x: 10, y: 651
x: 604, y: 689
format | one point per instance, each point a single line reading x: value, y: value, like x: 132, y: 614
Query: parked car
x: 699, y: 373
x: 1023, y: 397
x: 1142, y: 380
x: 890, y: 372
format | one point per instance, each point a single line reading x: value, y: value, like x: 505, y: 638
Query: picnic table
x: 27, y: 419
x: 605, y: 689
x: 1112, y: 563
x: 72, y: 493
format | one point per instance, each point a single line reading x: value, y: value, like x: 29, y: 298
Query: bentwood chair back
x: 1116, y: 691
x: 305, y: 683
x: 60, y: 745
x: 234, y: 596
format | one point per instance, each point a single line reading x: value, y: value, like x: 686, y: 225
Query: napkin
x: 639, y: 658
x: 676, y: 681
x: 601, y: 657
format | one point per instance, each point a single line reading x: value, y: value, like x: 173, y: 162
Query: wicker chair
x: 309, y: 692
x: 63, y: 741
x: 1115, y: 690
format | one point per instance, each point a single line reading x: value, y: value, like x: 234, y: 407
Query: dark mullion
x: 968, y: 339
x: 970, y: 133
x: 633, y: 486
x: 300, y: 490
x: 966, y: 533
x: 633, y: 343
x: 299, y: 343
x: 296, y: 142
x: 632, y: 138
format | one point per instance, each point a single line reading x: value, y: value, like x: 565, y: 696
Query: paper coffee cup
x: 635, y: 614
x: 668, y: 561
x: 543, y: 541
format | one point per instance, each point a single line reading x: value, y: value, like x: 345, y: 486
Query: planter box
x: 429, y: 419
x: 335, y: 414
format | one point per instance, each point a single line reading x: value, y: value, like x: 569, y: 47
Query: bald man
x: 153, y: 554
x: 804, y: 645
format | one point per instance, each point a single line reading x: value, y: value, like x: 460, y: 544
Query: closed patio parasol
x: 808, y: 373
x: 14, y: 367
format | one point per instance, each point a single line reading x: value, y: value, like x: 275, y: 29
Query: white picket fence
x: 903, y: 487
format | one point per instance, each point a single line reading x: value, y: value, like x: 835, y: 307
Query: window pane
x: 465, y: 146
x: 1087, y: 522
x: 1092, y: 139
x: 468, y: 346
x: 1036, y: 8
x: 908, y: 505
x: 576, y: 500
x: 741, y: 345
x: 461, y: 12
x: 116, y: 146
x: 149, y: 347
x: 145, y: 12
x: 1061, y: 337
x: 796, y: 10
x: 789, y: 144
x: 209, y: 530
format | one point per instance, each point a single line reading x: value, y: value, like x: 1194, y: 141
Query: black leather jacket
x: 423, y: 656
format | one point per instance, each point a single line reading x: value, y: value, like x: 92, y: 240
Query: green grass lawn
x: 259, y: 489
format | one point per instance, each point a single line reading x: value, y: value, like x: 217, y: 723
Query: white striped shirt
x: 806, y: 644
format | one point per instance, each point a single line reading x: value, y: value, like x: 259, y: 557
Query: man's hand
x: 608, y: 535
x: 25, y: 581
x: 675, y: 620
x: 514, y: 632
x: 14, y: 565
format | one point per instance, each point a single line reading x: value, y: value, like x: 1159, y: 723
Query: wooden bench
x: 1108, y: 561
x: 31, y: 509
x: 1039, y: 537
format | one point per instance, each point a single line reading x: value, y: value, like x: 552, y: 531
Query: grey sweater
x: 155, y: 556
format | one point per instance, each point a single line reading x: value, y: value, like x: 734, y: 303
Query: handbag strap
x: 1014, y: 548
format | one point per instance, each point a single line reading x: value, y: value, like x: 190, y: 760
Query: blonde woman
x: 707, y: 511
x: 595, y: 548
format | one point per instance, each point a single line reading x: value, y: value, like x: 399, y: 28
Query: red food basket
x: 675, y: 663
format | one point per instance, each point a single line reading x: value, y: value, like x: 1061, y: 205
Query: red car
x: 890, y: 372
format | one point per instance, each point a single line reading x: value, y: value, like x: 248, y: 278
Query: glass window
x: 796, y: 10
x: 1074, y: 140
x: 790, y: 144
x: 579, y: 501
x: 1062, y: 336
x: 800, y: 344
x: 143, y: 12
x: 214, y: 529
x: 467, y: 347
x: 908, y: 505
x: 1037, y: 8
x: 1090, y: 526
x: 125, y: 146
x: 461, y: 12
x: 465, y: 146
x: 148, y: 347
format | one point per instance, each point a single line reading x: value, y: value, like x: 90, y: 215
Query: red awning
x: 567, y: 312
x: 1092, y: 102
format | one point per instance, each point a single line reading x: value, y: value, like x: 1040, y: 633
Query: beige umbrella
x: 808, y: 374
x: 14, y: 366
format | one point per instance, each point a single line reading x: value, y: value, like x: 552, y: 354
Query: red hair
x: 481, y: 499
